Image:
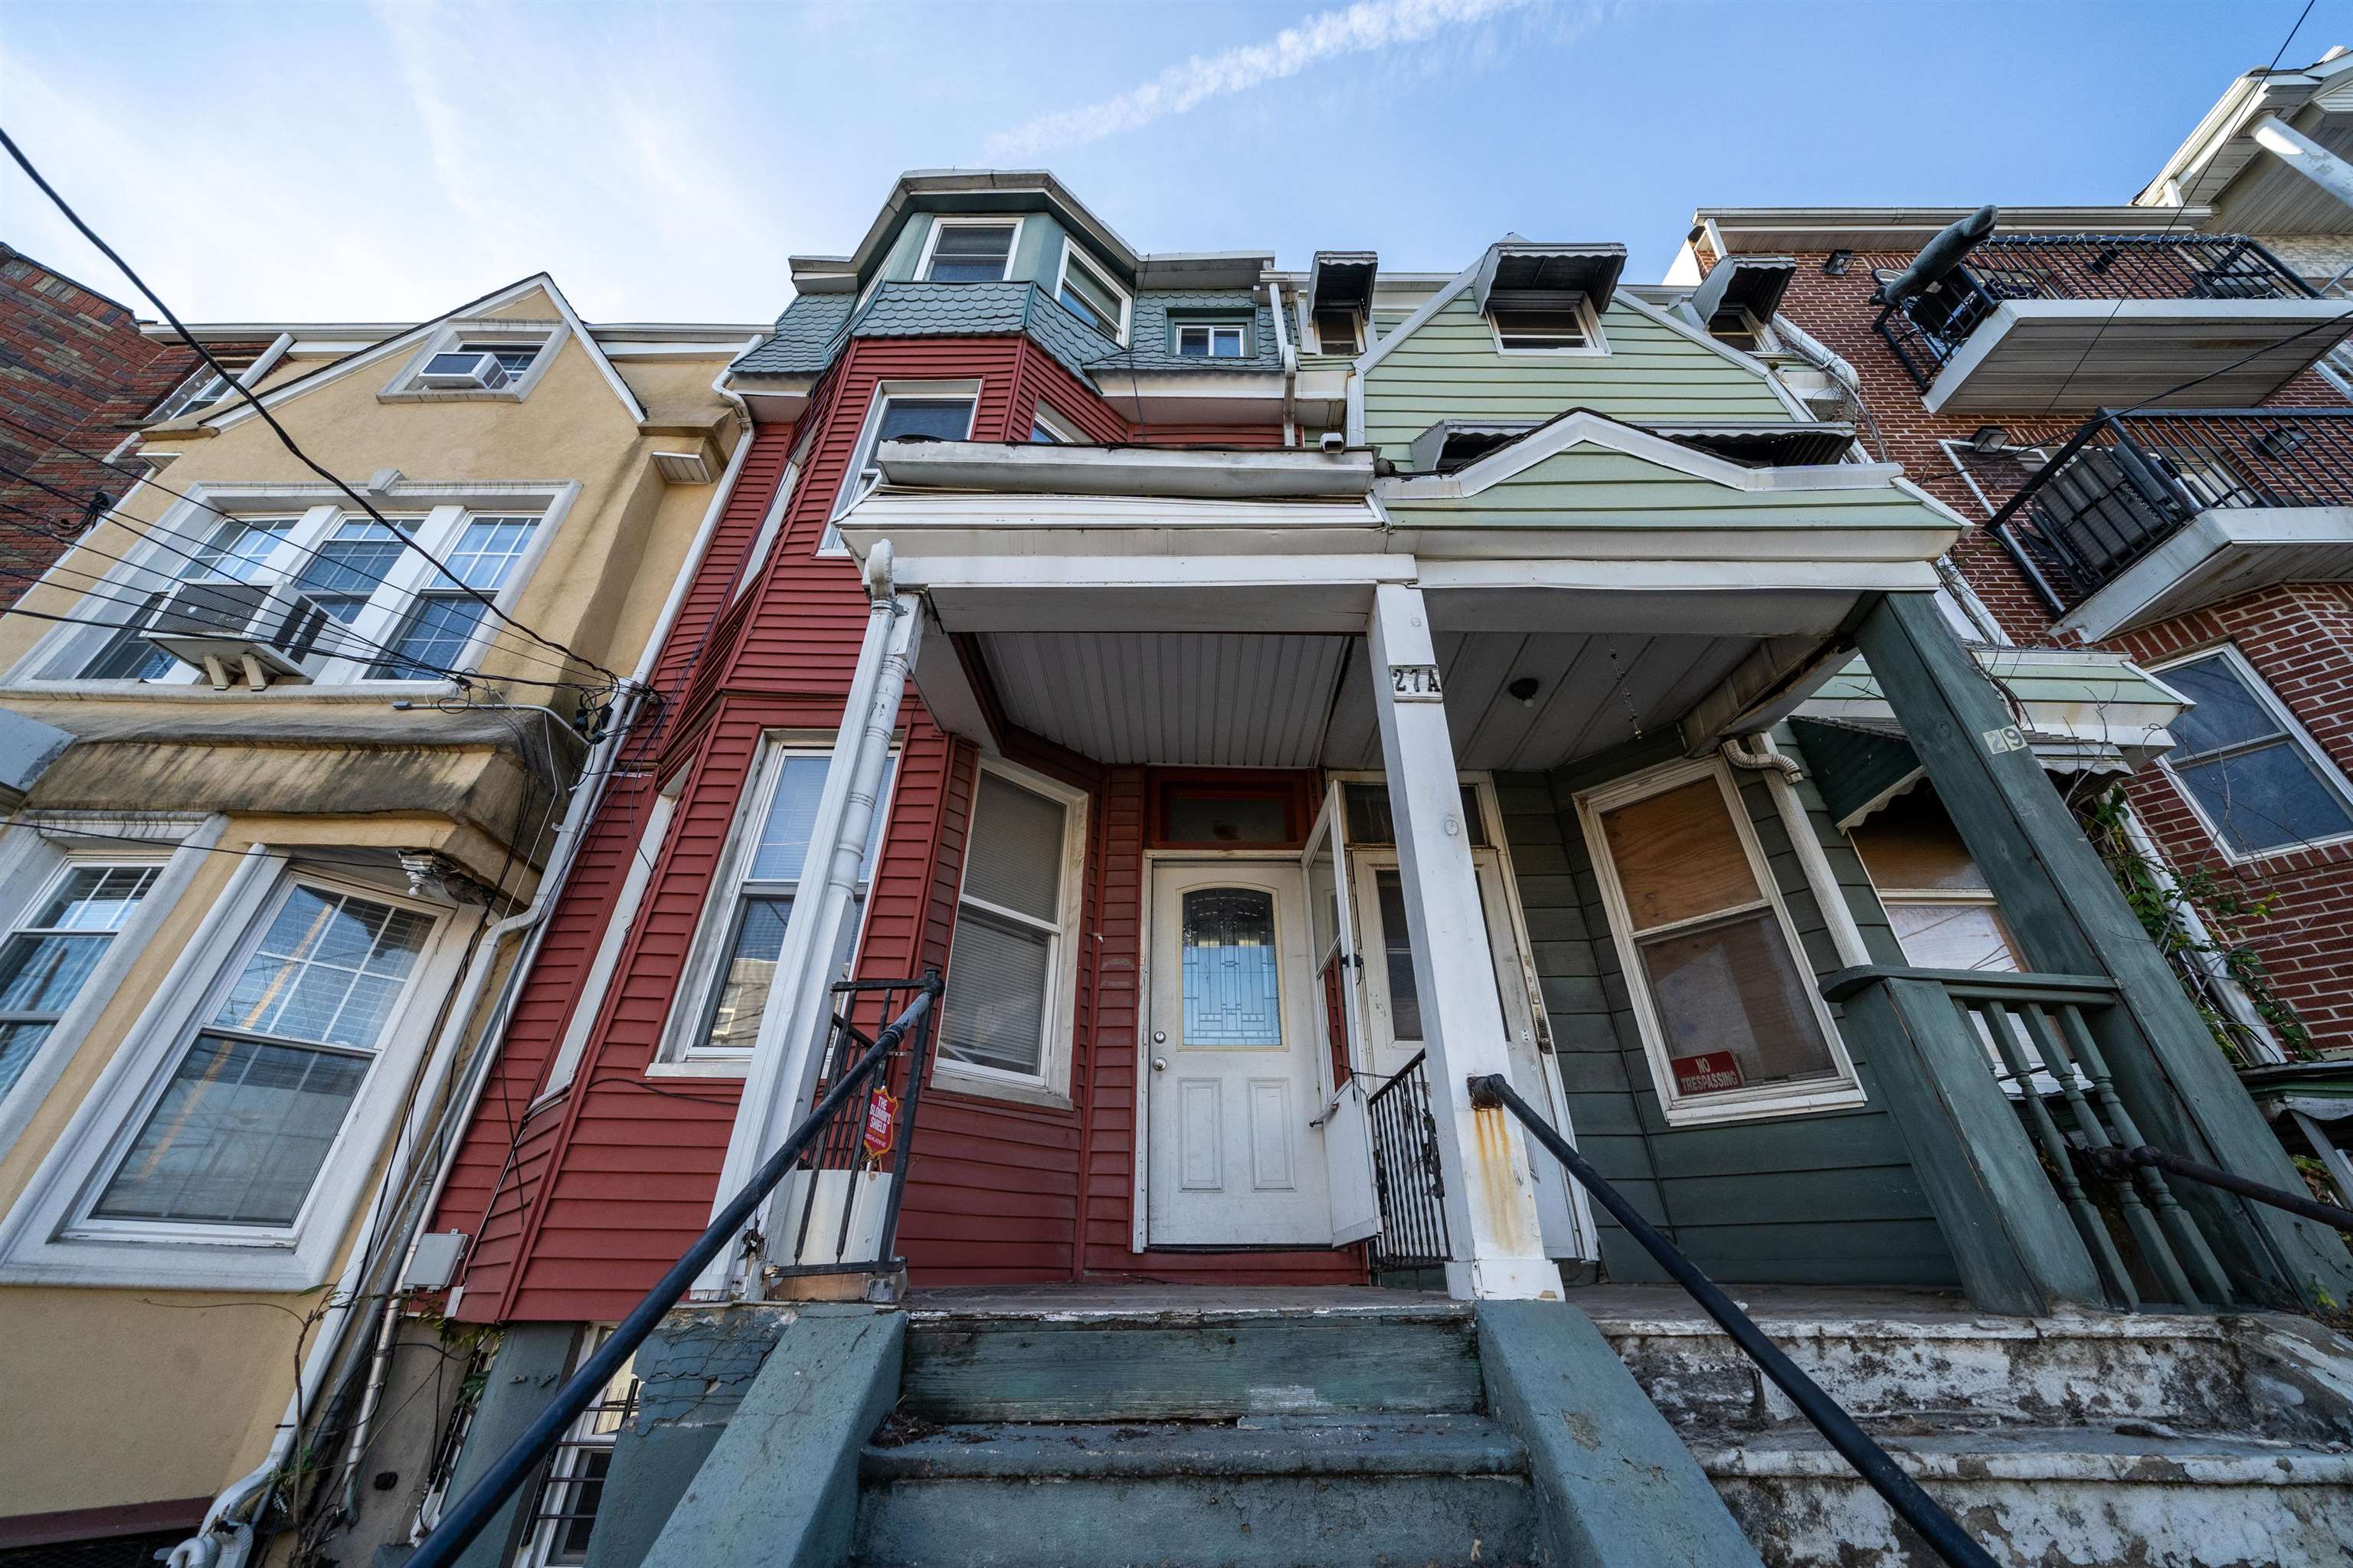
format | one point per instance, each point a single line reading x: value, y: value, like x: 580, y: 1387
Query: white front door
x: 1233, y: 1082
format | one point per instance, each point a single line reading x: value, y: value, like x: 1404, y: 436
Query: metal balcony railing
x: 2126, y: 483
x: 1928, y: 329
x: 1405, y: 1175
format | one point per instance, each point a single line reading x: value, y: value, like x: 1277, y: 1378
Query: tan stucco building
x: 286, y: 765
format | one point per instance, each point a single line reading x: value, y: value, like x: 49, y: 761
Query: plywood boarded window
x: 1727, y: 1003
x: 1936, y: 897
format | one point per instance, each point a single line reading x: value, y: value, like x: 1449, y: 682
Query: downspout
x: 1289, y: 362
x: 203, y: 1549
x: 1765, y: 760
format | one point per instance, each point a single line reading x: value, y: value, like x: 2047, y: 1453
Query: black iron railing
x: 2126, y: 483
x: 840, y: 1209
x: 2121, y: 1163
x: 2046, y: 1056
x: 463, y: 1519
x: 1405, y: 1175
x: 1943, y: 1533
x: 1929, y: 328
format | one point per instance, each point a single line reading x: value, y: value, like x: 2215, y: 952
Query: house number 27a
x: 1415, y: 683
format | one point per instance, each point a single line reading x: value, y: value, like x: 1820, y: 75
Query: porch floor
x: 1615, y: 1308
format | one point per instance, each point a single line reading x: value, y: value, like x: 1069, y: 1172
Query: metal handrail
x: 2120, y: 1163
x: 463, y: 1519
x: 1915, y: 1507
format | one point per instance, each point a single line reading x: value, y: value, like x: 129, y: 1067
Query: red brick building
x: 78, y: 373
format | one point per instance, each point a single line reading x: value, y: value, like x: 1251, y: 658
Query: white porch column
x: 1491, y: 1210
x: 799, y: 1007
x: 2306, y: 156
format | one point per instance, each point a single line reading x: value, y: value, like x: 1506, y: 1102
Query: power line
x: 2178, y: 208
x: 130, y: 525
x: 255, y: 404
x: 498, y: 634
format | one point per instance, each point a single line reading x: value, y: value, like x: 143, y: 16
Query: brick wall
x: 75, y: 375
x: 2299, y: 637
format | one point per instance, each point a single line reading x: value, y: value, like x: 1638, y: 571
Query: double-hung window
x: 1049, y: 428
x: 1939, y: 902
x: 1339, y: 329
x: 940, y: 411
x: 235, y: 1136
x: 393, y: 615
x: 193, y: 395
x: 1566, y: 327
x: 450, y: 364
x: 2259, y: 782
x: 1088, y: 293
x: 1725, y: 997
x: 48, y: 958
x: 1006, y: 1018
x: 1212, y: 340
x: 772, y: 863
x: 572, y: 1489
x: 962, y: 250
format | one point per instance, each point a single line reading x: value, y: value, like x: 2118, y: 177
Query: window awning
x: 1342, y: 281
x: 1524, y: 267
x: 1753, y: 283
x: 2084, y: 711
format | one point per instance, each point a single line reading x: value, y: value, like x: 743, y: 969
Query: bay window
x: 1722, y: 992
x: 48, y: 958
x: 969, y: 250
x: 1007, y: 1020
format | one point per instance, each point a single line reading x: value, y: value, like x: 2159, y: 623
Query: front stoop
x: 2160, y: 1441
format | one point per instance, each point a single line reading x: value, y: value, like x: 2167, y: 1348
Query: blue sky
x: 387, y: 162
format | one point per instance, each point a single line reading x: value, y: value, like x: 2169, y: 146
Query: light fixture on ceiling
x: 1524, y: 689
x: 1988, y: 438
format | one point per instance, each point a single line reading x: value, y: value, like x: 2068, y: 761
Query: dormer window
x: 1734, y: 327
x: 964, y: 250
x: 1088, y: 293
x: 1212, y: 340
x: 484, y: 359
x: 1563, y: 328
x: 193, y: 395
x: 1339, y: 331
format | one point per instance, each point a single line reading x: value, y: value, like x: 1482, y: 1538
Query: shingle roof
x: 1149, y: 348
x: 808, y: 334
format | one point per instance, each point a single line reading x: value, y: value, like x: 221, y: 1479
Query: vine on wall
x: 2160, y: 895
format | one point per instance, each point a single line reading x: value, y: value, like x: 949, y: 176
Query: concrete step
x: 1259, y: 1492
x: 1177, y: 1364
x: 2048, y: 1497
x: 1920, y: 1369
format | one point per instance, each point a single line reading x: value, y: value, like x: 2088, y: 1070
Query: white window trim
x: 1768, y: 342
x: 973, y: 220
x: 772, y: 525
x: 30, y: 859
x: 549, y: 336
x: 644, y: 851
x: 163, y: 549
x: 1050, y: 1085
x: 1597, y: 342
x: 854, y: 487
x: 682, y: 1055
x: 1309, y: 330
x: 1213, y: 325
x: 38, y: 1242
x: 1101, y: 275
x: 2331, y: 777
x: 1742, y: 1104
x: 1060, y: 428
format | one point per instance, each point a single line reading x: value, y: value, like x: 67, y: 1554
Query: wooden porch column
x: 799, y: 1007
x: 2069, y: 917
x: 1491, y: 1210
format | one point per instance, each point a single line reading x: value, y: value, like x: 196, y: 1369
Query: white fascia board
x: 1716, y: 346
x: 2165, y: 581
x: 1377, y: 352
x: 1061, y: 470
x: 1582, y: 425
x: 1794, y: 546
x: 2162, y: 316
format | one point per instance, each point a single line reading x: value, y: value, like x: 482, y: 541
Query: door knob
x: 1160, y: 1064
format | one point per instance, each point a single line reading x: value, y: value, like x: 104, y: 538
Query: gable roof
x: 402, y: 342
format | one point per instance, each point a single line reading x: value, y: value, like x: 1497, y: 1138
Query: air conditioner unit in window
x: 463, y: 372
x: 258, y: 631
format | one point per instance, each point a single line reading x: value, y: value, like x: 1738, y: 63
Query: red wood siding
x: 576, y: 1208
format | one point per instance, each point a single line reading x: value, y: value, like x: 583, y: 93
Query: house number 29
x: 1415, y: 683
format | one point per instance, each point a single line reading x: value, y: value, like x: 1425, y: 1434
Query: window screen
x: 971, y: 253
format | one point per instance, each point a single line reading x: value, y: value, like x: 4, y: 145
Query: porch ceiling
x: 1286, y: 700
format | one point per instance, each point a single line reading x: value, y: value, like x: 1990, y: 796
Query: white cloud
x: 1362, y: 28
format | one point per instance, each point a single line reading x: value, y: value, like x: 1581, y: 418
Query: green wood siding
x: 1591, y: 486
x: 1825, y: 1197
x: 1450, y: 369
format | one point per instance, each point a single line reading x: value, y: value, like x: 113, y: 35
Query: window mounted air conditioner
x: 259, y: 630
x: 463, y: 372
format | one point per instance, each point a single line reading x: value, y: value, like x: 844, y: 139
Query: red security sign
x: 1710, y: 1073
x: 881, y: 1116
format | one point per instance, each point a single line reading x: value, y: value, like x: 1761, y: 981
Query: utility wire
x: 132, y: 525
x: 255, y: 404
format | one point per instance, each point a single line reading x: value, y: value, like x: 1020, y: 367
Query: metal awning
x: 1342, y: 281
x: 1753, y: 283
x: 1524, y: 267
